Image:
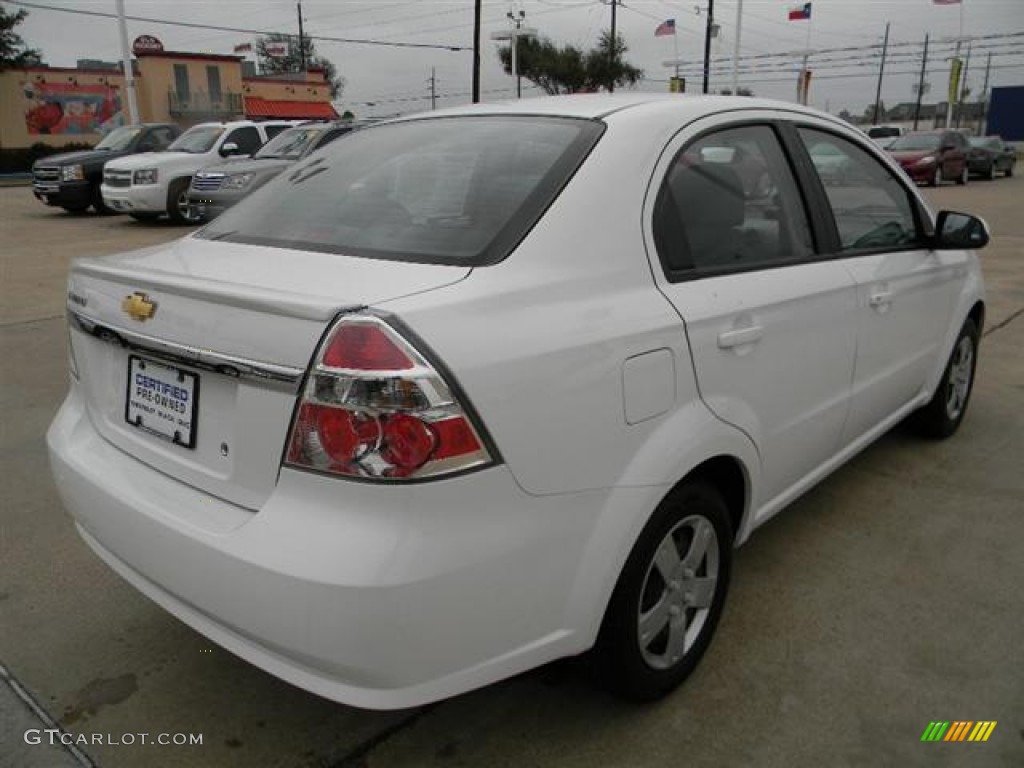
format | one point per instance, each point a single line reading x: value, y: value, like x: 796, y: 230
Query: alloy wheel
x: 959, y: 384
x: 678, y: 592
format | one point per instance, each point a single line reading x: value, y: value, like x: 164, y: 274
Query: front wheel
x: 962, y: 179
x: 991, y: 173
x: 140, y: 216
x: 178, y: 208
x: 1009, y: 171
x: 936, y: 178
x: 97, y: 201
x: 669, y: 596
x: 944, y: 412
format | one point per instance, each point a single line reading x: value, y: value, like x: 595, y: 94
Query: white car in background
x: 474, y: 390
x: 152, y: 184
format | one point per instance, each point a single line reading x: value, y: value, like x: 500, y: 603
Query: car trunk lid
x: 229, y: 328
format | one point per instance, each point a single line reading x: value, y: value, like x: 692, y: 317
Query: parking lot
x: 888, y: 597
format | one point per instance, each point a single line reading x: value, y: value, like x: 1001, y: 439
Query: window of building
x: 181, y: 82
x: 213, y: 83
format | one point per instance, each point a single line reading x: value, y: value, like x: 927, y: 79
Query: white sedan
x: 478, y: 389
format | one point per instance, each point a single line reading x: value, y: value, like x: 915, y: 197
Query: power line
x: 242, y: 30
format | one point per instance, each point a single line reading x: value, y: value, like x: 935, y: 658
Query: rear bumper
x: 375, y: 596
x: 141, y: 199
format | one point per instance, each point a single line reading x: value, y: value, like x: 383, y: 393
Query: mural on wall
x: 69, y: 108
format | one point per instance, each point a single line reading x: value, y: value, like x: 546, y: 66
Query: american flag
x: 667, y: 27
x: 946, y: 2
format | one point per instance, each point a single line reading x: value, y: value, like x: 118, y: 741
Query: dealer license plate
x: 162, y: 400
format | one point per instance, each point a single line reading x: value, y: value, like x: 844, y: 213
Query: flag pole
x: 675, y: 46
x: 956, y: 57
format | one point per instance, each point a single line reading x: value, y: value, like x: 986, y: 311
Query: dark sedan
x: 990, y: 155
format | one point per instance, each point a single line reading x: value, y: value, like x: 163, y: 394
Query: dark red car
x: 931, y: 157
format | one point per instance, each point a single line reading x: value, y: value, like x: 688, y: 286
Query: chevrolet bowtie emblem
x: 138, y: 306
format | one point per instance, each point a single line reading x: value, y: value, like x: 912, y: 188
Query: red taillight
x: 374, y: 407
x: 364, y: 348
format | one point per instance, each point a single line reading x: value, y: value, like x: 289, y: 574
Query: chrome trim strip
x: 281, y: 377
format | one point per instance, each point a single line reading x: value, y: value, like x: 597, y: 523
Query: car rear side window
x: 460, y: 190
x: 247, y: 139
x: 872, y: 208
x: 730, y: 202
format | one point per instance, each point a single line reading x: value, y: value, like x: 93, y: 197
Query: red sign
x: 147, y: 44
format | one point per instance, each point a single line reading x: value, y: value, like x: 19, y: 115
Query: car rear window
x: 457, y: 190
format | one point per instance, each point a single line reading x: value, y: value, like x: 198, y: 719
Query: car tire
x: 177, y: 202
x: 962, y: 178
x: 941, y: 417
x: 936, y: 178
x: 991, y: 173
x: 97, y: 201
x: 658, y: 624
x: 1009, y: 170
x: 138, y: 216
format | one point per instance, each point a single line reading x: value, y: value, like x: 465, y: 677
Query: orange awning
x: 289, y: 110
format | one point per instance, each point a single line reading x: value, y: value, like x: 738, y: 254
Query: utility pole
x: 611, y: 53
x: 920, y: 83
x: 476, y: 51
x: 302, y: 41
x: 518, y: 21
x: 881, y: 71
x: 433, y: 89
x: 126, y: 57
x: 707, y: 44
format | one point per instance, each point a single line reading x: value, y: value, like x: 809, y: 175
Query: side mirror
x: 230, y: 148
x: 958, y: 231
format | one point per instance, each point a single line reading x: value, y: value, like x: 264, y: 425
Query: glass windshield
x: 912, y: 141
x: 291, y: 144
x: 442, y: 191
x: 119, y: 138
x: 197, y: 140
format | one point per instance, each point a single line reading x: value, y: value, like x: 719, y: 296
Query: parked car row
x: 931, y: 157
x: 153, y: 170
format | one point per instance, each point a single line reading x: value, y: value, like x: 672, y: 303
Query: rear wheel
x: 944, y: 412
x: 669, y: 596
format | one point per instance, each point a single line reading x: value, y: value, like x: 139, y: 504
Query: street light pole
x: 920, y: 83
x: 129, y: 73
x: 476, y: 51
x: 611, y: 54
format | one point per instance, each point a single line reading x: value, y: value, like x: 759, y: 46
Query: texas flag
x: 801, y: 12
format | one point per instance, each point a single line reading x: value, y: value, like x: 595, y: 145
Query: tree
x: 568, y: 69
x: 292, y: 61
x: 13, y: 53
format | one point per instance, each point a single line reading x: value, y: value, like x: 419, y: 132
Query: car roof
x: 659, y: 109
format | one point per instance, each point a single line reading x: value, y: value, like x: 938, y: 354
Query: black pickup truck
x: 72, y: 180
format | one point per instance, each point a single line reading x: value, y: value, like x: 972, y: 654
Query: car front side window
x: 872, y: 209
x: 729, y: 202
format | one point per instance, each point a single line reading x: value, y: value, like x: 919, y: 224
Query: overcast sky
x: 385, y: 80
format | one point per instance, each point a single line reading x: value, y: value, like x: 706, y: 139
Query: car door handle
x: 740, y: 337
x: 880, y: 298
